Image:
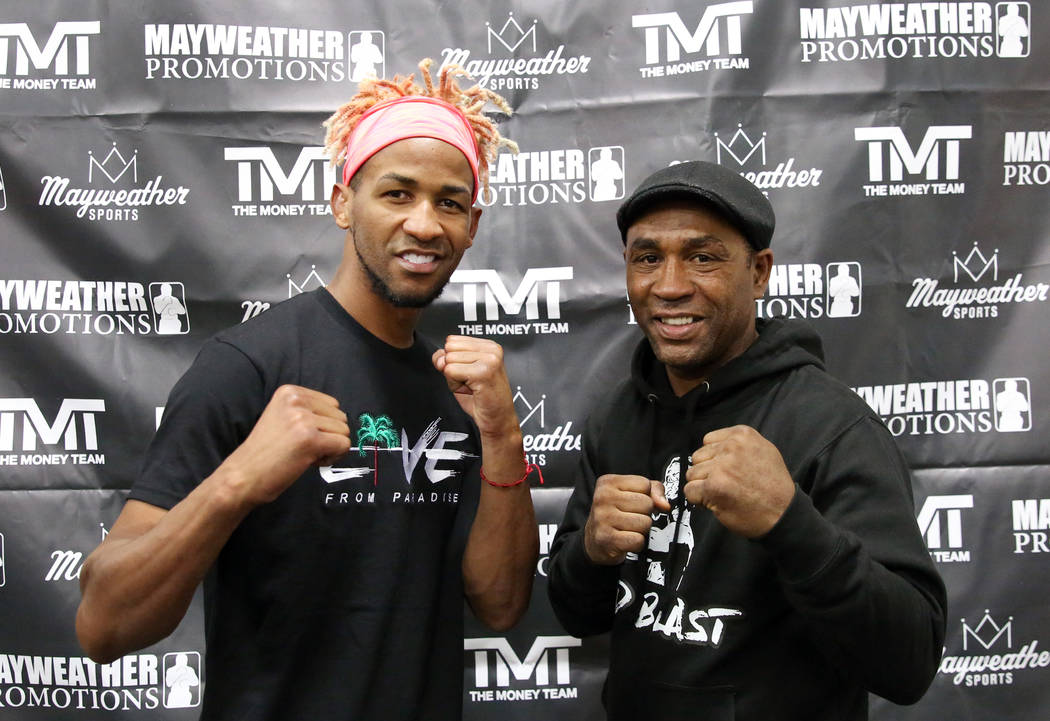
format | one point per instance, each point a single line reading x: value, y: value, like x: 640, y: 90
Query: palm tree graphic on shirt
x: 379, y: 429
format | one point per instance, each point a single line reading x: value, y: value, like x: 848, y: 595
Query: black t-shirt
x: 342, y: 599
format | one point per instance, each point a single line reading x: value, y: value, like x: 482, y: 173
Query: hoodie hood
x: 782, y: 345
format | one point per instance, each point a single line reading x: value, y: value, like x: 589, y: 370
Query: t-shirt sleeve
x: 209, y: 413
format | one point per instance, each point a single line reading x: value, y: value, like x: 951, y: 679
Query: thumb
x: 656, y: 492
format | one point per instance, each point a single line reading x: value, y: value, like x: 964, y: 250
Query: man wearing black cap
x: 741, y: 522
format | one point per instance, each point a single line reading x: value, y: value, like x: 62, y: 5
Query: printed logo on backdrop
x: 3, y: 191
x: 190, y: 51
x: 66, y: 563
x: 543, y: 673
x: 267, y: 186
x: 539, y: 438
x: 951, y: 407
x: 915, y: 31
x: 940, y: 522
x: 1026, y: 157
x: 533, y: 308
x: 169, y: 308
x: 898, y: 169
x: 93, y: 307
x: 976, y: 291
x: 182, y: 679
x: 61, y: 62
x: 311, y: 281
x: 716, y: 43
x: 809, y: 290
x: 28, y: 438
x: 356, y: 481
x: 114, y: 192
x: 748, y: 156
x: 367, y: 55
x: 551, y: 177
x: 74, y: 683
x: 547, y: 531
x: 990, y: 656
x: 514, y: 59
x: 1031, y: 520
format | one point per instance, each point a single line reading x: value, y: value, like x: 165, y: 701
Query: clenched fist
x: 473, y: 368
x: 741, y: 478
x: 298, y: 428
x: 621, y: 514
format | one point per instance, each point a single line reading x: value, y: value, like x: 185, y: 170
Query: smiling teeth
x: 418, y: 259
x: 677, y: 321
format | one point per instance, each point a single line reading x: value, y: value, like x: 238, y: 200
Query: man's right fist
x: 298, y: 428
x: 621, y: 514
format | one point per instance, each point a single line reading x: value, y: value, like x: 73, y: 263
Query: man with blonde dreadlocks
x: 338, y: 483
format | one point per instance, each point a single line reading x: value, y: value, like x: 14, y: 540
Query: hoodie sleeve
x: 582, y: 593
x: 852, y: 562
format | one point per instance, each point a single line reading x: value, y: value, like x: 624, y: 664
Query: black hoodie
x: 838, y: 599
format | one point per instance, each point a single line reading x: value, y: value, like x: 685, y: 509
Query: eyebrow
x: 700, y: 241
x: 447, y: 189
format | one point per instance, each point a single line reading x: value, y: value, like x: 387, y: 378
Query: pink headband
x: 413, y: 116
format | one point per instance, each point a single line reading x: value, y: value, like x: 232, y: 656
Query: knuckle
x: 633, y: 542
x: 300, y: 428
x: 604, y: 490
x: 291, y: 395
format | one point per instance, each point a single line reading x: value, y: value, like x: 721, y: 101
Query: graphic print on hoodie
x: 665, y: 563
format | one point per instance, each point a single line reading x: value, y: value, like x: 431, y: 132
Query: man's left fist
x: 740, y: 477
x: 473, y: 368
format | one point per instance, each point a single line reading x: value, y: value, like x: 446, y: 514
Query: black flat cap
x: 710, y: 184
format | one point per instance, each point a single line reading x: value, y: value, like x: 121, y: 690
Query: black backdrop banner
x: 161, y: 178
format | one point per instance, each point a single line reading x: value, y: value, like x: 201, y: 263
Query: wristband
x: 529, y: 468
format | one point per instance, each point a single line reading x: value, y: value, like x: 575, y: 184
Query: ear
x: 342, y: 197
x: 475, y: 216
x: 760, y: 269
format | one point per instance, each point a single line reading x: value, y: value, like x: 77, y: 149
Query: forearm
x: 881, y: 620
x: 137, y: 585
x: 500, y: 558
x: 582, y: 593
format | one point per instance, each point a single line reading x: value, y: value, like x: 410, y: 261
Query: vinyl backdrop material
x: 161, y: 179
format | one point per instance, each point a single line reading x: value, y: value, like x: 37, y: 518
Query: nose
x: 422, y: 222
x: 672, y: 281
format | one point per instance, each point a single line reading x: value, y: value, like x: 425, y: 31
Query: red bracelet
x: 529, y: 468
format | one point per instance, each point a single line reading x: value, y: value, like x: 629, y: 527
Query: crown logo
x: 740, y: 147
x: 976, y: 264
x: 312, y: 281
x: 511, y: 35
x: 114, y: 165
x: 531, y: 409
x: 988, y: 632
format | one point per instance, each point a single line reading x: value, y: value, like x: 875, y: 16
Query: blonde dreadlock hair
x: 372, y: 91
